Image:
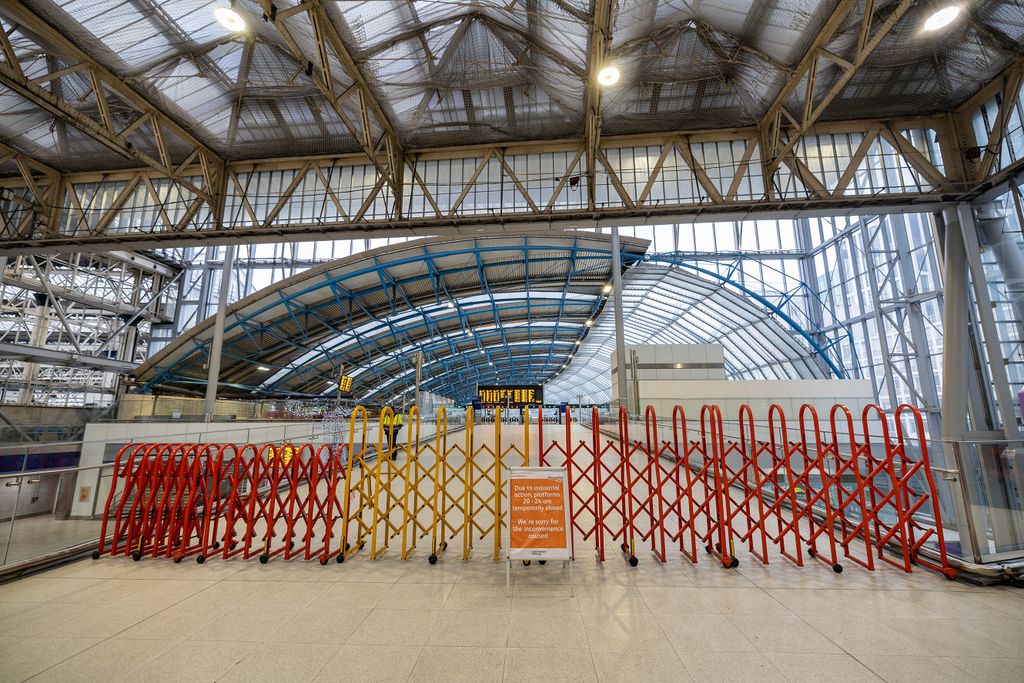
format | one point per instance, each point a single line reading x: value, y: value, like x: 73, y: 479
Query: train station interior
x: 500, y: 340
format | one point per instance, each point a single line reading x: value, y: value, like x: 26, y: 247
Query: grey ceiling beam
x: 34, y: 354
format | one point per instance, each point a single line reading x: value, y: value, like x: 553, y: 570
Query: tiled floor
x: 115, y: 619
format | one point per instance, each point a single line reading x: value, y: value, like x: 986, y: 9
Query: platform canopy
x: 489, y: 310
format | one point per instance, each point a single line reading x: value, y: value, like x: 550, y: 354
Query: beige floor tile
x: 547, y: 629
x: 42, y: 588
x: 536, y: 574
x: 729, y: 666
x: 245, y: 624
x: 479, y: 571
x: 105, y: 621
x: 105, y: 568
x: 40, y: 618
x: 783, y: 634
x: 419, y: 571
x: 867, y: 636
x: 281, y: 662
x: 234, y: 594
x: 700, y: 632
x: 909, y: 669
x: 473, y: 596
x: 990, y: 669
x: 367, y: 571
x: 951, y: 637
x: 351, y: 595
x: 559, y: 597
x: 370, y: 663
x: 459, y: 664
x: 815, y: 668
x: 1008, y: 632
x: 631, y: 666
x: 320, y: 625
x: 709, y: 572
x: 22, y: 658
x: 678, y: 600
x: 197, y: 661
x: 549, y: 664
x: 610, y: 598
x: 415, y: 596
x: 177, y: 622
x: 395, y: 627
x: 109, y: 660
x: 653, y: 573
x: 289, y: 570
x: 743, y: 600
x: 470, y: 629
x: 624, y: 630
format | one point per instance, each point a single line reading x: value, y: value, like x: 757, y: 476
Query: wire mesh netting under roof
x: 664, y: 305
x: 484, y: 310
x: 449, y: 72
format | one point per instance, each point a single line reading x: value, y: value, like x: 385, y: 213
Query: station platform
x: 394, y: 619
x: 388, y: 619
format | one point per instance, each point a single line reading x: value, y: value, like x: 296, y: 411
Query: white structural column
x: 218, y: 333
x: 956, y: 347
x: 620, y: 336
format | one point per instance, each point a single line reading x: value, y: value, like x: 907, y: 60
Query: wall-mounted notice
x: 538, y: 514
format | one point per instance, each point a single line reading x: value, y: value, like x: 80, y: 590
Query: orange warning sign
x: 538, y: 520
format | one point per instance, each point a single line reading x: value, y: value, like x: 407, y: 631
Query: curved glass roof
x: 480, y: 310
x: 666, y: 305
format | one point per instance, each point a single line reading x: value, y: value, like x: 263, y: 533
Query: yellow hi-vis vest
x: 395, y: 419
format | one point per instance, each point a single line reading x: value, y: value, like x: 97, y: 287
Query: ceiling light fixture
x: 589, y: 323
x: 607, y: 289
x: 450, y: 304
x: 942, y: 18
x: 608, y: 76
x: 229, y: 19
x: 263, y: 368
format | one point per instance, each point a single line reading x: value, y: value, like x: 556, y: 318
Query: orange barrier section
x: 828, y: 492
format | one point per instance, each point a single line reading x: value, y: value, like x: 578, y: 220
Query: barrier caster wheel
x: 811, y: 553
x: 633, y: 561
x: 216, y: 545
x: 323, y: 561
x: 340, y: 558
x: 177, y: 560
x: 526, y: 563
x: 291, y: 544
x: 347, y: 546
x: 735, y: 563
x: 95, y: 554
x: 543, y: 562
x: 136, y: 556
x: 200, y: 559
x: 264, y: 559
x: 432, y: 559
x: 707, y: 548
x: 950, y: 574
x: 837, y: 568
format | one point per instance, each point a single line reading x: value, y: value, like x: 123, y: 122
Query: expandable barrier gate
x: 816, y: 492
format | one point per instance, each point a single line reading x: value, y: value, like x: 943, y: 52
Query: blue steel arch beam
x: 283, y: 340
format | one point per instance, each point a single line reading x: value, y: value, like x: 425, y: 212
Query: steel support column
x: 620, y: 335
x: 217, y: 346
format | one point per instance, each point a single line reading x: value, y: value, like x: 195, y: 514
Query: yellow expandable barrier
x: 445, y: 488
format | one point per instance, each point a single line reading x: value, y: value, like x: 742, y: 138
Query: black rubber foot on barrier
x: 323, y: 561
x: 264, y: 559
x: 291, y: 544
x: 177, y: 560
x: 95, y: 554
x: 136, y: 556
x: 340, y: 558
x: 837, y: 568
x: 444, y: 546
x: 200, y: 559
x: 810, y: 552
x: 233, y: 546
x: 731, y: 564
x: 361, y: 544
x: 707, y: 548
x: 216, y: 545
x: 432, y: 559
x: 950, y: 574
x: 633, y: 561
